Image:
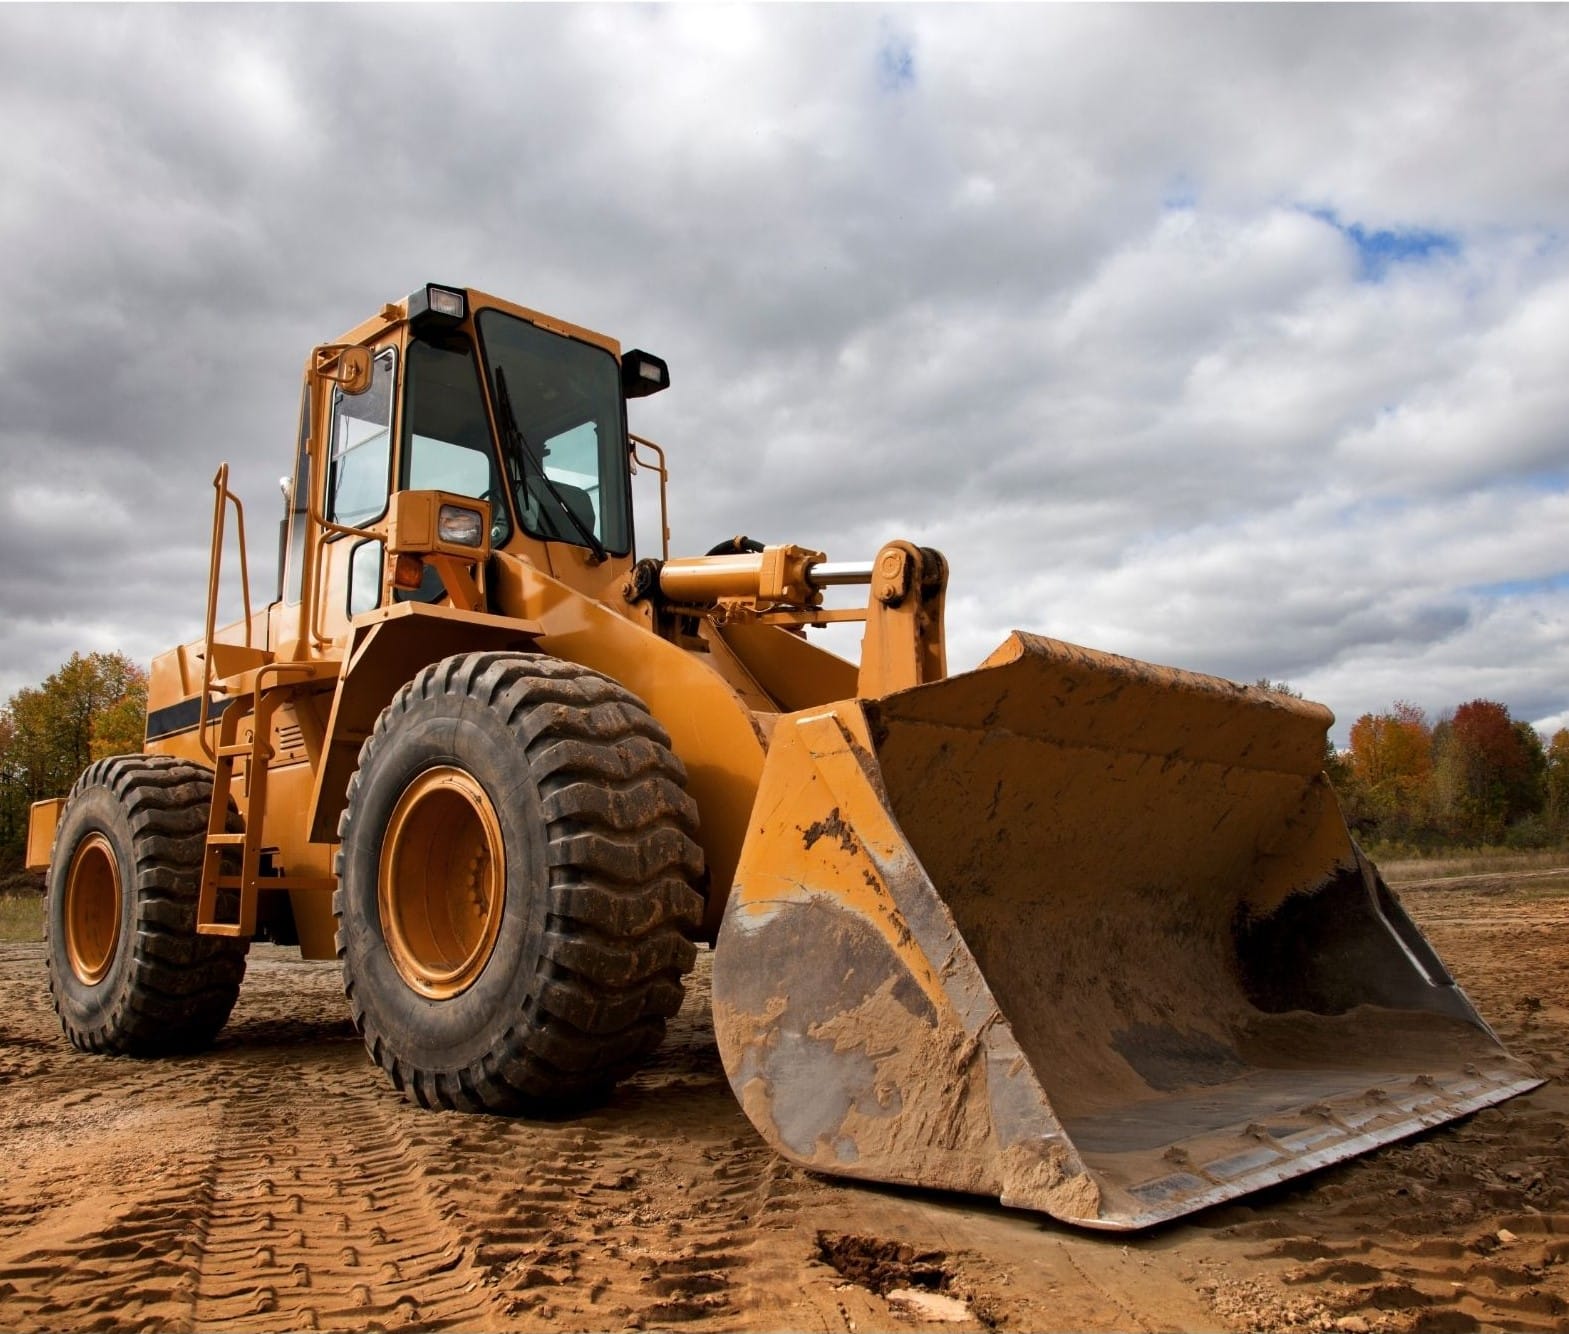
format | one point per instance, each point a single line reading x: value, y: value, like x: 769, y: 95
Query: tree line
x: 1473, y: 777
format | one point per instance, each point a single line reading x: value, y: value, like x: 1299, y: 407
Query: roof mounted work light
x: 642, y: 373
x: 433, y: 307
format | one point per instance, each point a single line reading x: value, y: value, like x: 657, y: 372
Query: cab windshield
x: 566, y: 400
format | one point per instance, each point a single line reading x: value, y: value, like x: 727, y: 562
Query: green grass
x: 21, y: 917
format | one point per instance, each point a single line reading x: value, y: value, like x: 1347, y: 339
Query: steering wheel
x: 500, y: 524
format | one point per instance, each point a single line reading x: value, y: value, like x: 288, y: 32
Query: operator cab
x: 469, y: 396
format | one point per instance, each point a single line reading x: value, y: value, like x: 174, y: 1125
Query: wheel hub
x: 441, y: 882
x: 92, y: 909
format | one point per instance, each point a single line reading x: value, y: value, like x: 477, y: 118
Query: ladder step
x: 225, y: 840
x: 240, y: 749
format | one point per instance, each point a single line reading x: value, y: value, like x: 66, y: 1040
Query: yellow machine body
x: 1083, y: 934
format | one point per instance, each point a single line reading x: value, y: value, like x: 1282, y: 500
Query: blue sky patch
x: 1548, y: 479
x: 895, y: 65
x: 1181, y: 192
x: 1378, y: 249
x: 1509, y: 588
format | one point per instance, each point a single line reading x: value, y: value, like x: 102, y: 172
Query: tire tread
x: 182, y: 986
x: 624, y: 895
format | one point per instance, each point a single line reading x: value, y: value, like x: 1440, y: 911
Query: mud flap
x: 1083, y: 934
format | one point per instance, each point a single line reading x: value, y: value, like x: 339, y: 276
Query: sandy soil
x: 278, y: 1183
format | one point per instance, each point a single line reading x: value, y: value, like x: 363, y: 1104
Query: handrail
x: 220, y: 483
x: 664, y: 485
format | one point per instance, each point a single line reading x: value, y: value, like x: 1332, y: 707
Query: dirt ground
x: 278, y: 1183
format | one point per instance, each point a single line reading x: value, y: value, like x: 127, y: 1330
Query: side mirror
x: 642, y: 373
x: 347, y: 367
x: 354, y: 370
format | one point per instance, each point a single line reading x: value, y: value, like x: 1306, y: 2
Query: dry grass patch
x: 1484, y: 861
x: 21, y: 917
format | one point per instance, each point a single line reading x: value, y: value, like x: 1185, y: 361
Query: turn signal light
x: 407, y: 571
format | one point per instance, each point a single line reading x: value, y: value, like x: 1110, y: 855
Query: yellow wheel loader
x: 1080, y: 933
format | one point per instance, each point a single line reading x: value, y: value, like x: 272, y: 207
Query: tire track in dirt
x: 318, y: 1215
x: 277, y: 1182
x: 102, y: 1166
x: 658, y: 1210
x: 128, y: 1267
x: 267, y: 1184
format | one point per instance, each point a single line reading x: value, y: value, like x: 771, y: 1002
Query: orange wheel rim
x: 441, y: 882
x: 92, y: 909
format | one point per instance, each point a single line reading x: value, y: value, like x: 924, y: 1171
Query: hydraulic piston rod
x: 836, y: 573
x: 775, y: 574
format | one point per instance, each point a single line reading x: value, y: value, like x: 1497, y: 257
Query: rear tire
x: 127, y: 971
x: 519, y: 884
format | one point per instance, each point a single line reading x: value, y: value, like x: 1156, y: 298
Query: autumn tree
x: 10, y: 834
x: 1555, y: 783
x: 1488, y: 771
x: 1527, y: 791
x: 93, y: 706
x: 120, y: 728
x: 1391, y: 761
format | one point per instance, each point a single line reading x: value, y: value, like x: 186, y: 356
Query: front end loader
x: 1084, y: 934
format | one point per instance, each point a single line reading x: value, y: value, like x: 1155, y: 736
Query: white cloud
x: 1069, y: 292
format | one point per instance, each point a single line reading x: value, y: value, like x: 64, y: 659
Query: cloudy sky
x: 1233, y: 338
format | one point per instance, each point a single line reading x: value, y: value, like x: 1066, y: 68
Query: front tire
x: 518, y: 884
x: 127, y: 971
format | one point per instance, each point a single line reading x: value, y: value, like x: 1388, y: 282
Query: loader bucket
x: 1081, y: 933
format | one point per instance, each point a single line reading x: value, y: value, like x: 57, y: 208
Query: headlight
x: 435, y: 307
x: 462, y: 527
x: 642, y: 373
x: 445, y: 302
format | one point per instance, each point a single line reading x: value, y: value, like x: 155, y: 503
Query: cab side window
x: 360, y: 457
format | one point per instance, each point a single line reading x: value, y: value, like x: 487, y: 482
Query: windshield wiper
x: 516, y: 442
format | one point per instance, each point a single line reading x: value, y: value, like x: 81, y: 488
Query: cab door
x: 357, y: 484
